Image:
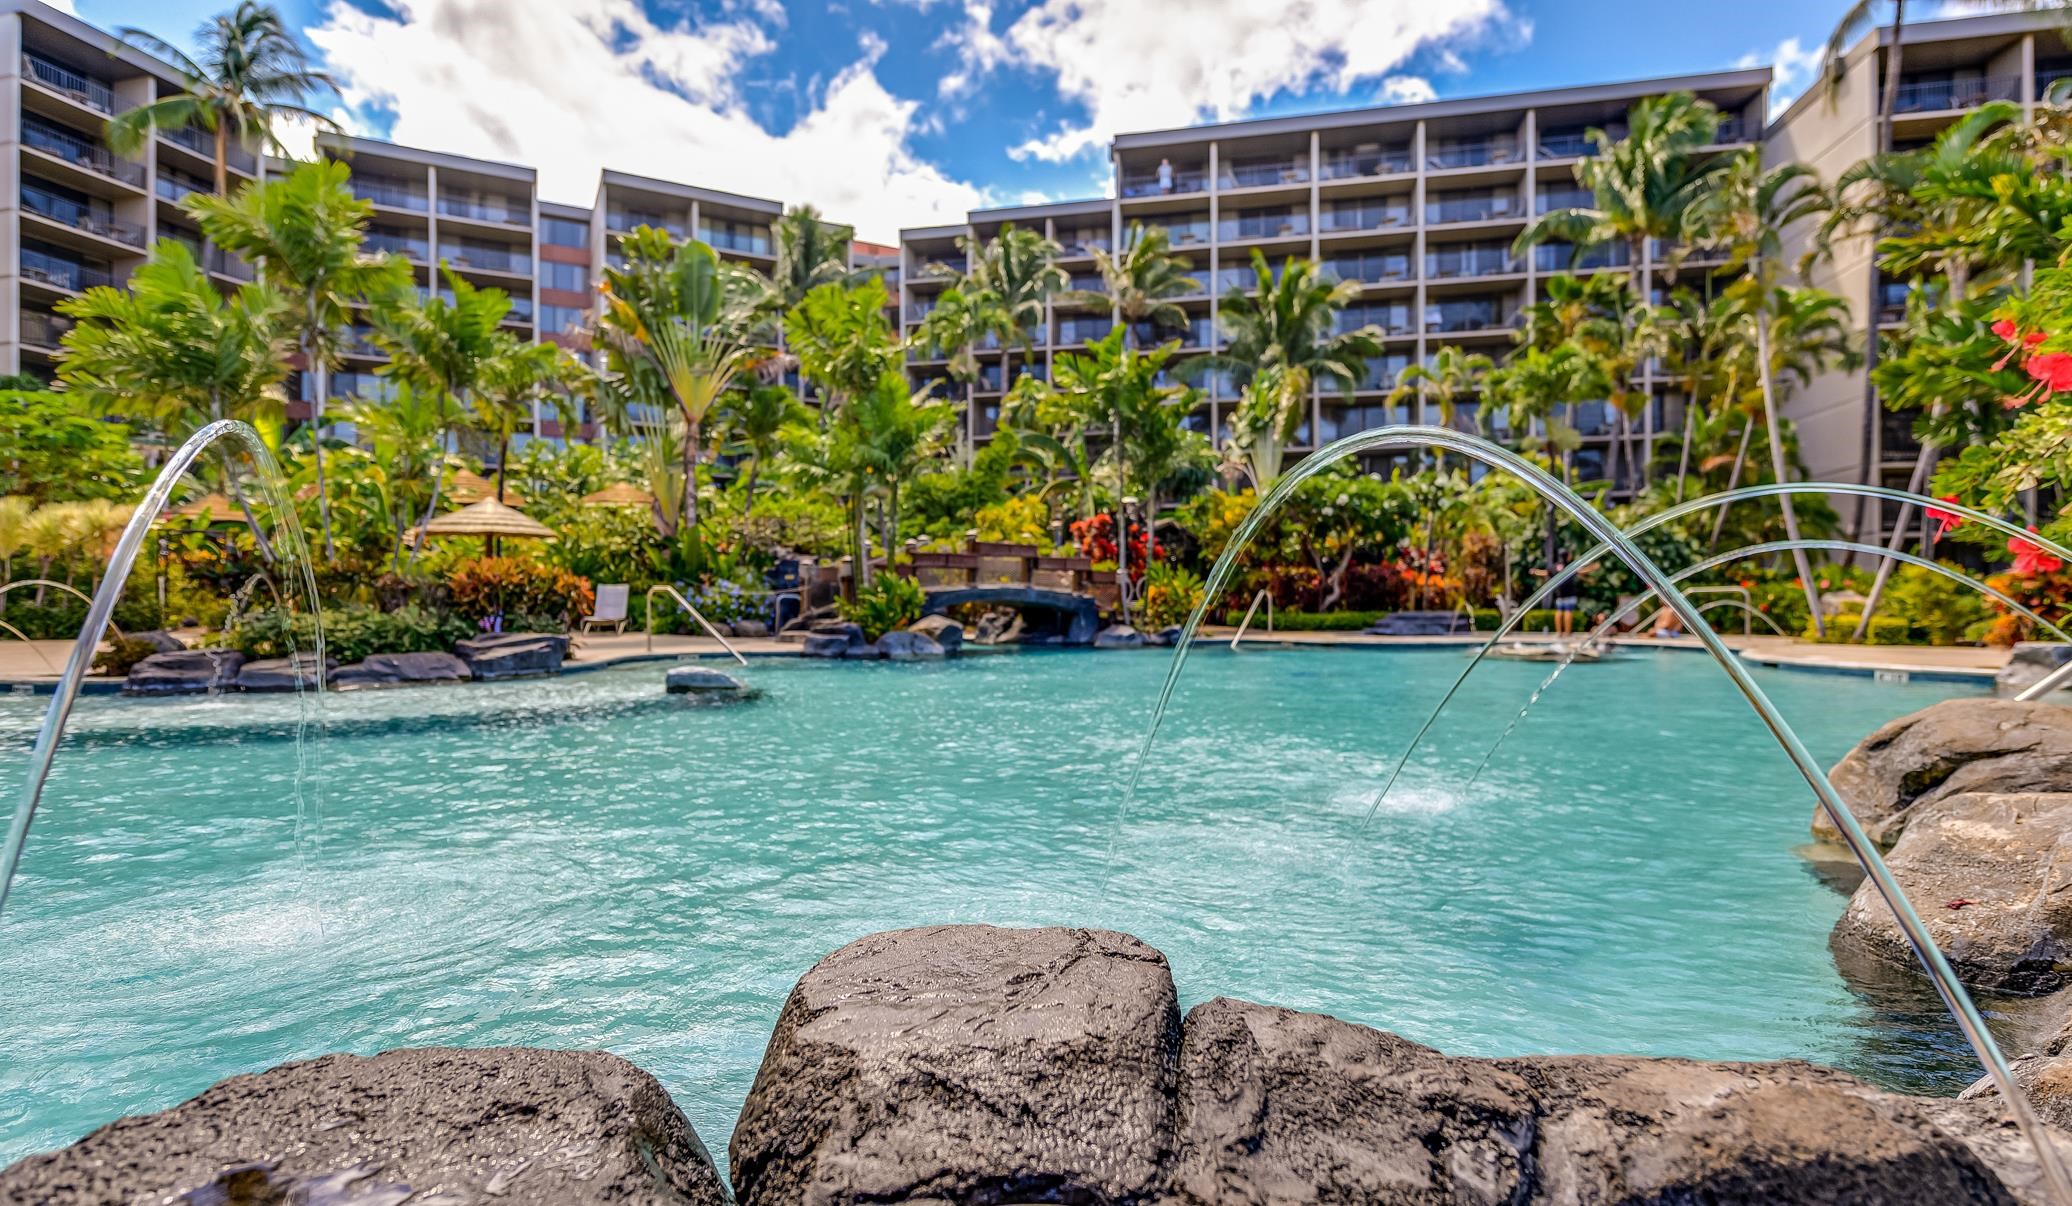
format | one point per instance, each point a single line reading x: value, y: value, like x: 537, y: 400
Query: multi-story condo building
x: 1947, y: 68
x: 1418, y: 203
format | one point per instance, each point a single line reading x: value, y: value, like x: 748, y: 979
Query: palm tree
x: 404, y: 438
x: 692, y: 318
x: 897, y: 433
x: 811, y: 252
x: 252, y: 73
x: 1452, y: 376
x: 842, y: 340
x: 1019, y: 269
x: 171, y: 351
x: 953, y: 328
x: 306, y: 232
x: 511, y: 383
x: 1142, y: 280
x: 753, y: 421
x: 439, y: 347
x: 1640, y: 185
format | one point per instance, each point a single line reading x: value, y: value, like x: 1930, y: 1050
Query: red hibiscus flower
x: 2052, y: 370
x: 2031, y: 560
x: 1945, y: 521
x: 2005, y: 329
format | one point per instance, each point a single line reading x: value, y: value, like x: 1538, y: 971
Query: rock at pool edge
x: 515, y: 1125
x: 699, y: 680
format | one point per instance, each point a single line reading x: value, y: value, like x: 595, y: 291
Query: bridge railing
x: 1002, y: 563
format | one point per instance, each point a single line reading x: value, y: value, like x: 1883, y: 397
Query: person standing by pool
x: 1567, y: 594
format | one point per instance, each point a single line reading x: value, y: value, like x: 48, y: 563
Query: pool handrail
x: 648, y: 606
x: 1239, y: 635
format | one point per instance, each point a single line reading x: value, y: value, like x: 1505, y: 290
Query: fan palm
x: 1142, y: 279
x: 306, y: 232
x: 252, y: 73
x: 811, y: 252
x: 1019, y: 269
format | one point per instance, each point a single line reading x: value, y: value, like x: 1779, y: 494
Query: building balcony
x: 1561, y: 257
x: 751, y: 240
x: 487, y: 259
x: 41, y: 330
x: 390, y: 194
x: 1288, y: 225
x: 1189, y: 232
x: 1939, y: 96
x: 1083, y: 330
x: 499, y: 211
x: 1570, y: 144
x: 1260, y: 173
x: 203, y: 143
x: 1371, y: 161
x: 1471, y: 262
x: 1351, y: 219
x: 174, y: 185
x: 1075, y: 243
x: 1467, y: 314
x: 1368, y: 269
x: 76, y: 86
x: 1488, y: 152
x: 80, y: 152
x: 57, y: 272
x: 1472, y: 209
x: 1180, y: 180
x: 222, y: 263
x: 1389, y: 320
x: 64, y: 211
x: 410, y: 247
x: 626, y: 221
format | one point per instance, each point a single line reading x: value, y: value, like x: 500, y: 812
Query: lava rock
x: 851, y: 633
x: 1981, y: 870
x: 909, y: 647
x: 1280, y: 1106
x: 2029, y: 664
x: 825, y: 644
x: 700, y: 680
x: 1118, y: 636
x: 943, y: 631
x: 862, y: 653
x: 159, y: 639
x: 514, y: 654
x: 506, y: 1124
x: 302, y: 672
x: 1949, y: 749
x: 967, y: 1064
x: 398, y: 669
x: 749, y: 628
x: 185, y: 672
x: 1001, y: 626
x: 2046, y: 1080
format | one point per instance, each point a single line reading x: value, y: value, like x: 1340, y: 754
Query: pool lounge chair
x: 610, y: 609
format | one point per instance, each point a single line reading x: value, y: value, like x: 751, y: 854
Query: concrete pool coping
x: 23, y: 672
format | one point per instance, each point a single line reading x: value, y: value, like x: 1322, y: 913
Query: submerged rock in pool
x: 1948, y: 749
x: 514, y: 1125
x: 186, y: 672
x: 1982, y: 872
x: 967, y: 1064
x: 397, y: 669
x: 701, y: 680
x: 514, y: 654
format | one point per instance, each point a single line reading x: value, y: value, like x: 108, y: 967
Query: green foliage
x: 1023, y: 520
x: 121, y: 655
x: 889, y: 603
x: 1537, y: 620
x: 1934, y: 608
x: 352, y: 633
x: 944, y: 504
x: 507, y: 586
x: 1170, y: 594
x: 52, y: 450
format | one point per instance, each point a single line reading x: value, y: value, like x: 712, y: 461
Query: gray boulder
x: 1950, y: 749
x: 700, y: 680
x: 503, y: 1124
x: 159, y: 639
x: 1981, y: 869
x: 909, y: 647
x: 851, y: 633
x: 1118, y: 636
x: 514, y: 654
x: 1001, y: 626
x: 943, y: 631
x: 185, y: 672
x: 2046, y: 1080
x: 2030, y: 663
x: 862, y: 653
x: 399, y: 669
x: 302, y: 672
x: 967, y: 1064
x: 749, y: 628
x: 825, y: 644
x: 1278, y: 1106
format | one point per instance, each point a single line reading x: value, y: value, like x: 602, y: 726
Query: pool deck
x: 30, y: 666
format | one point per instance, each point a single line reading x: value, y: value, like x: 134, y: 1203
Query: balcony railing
x: 1384, y: 373
x: 411, y: 247
x: 936, y: 270
x: 1263, y: 226
x: 80, y: 152
x: 1471, y: 209
x: 1731, y: 130
x: 61, y: 273
x: 1569, y: 144
x: 1082, y: 242
x: 1351, y: 165
x: 1936, y: 96
x: 486, y: 259
x: 1200, y: 279
x: 1343, y: 218
x: 1560, y: 257
x: 1472, y: 154
x: 43, y: 330
x: 626, y: 221
x: 1467, y: 314
x: 1183, y: 232
x: 1255, y: 173
x: 1243, y: 278
x: 389, y: 193
x: 507, y: 212
x: 67, y: 212
x: 521, y: 309
x: 174, y: 185
x: 2046, y: 76
x: 223, y: 263
x: 1392, y: 320
x: 203, y: 143
x: 1083, y: 330
x: 1551, y: 199
x: 1368, y: 269
x: 741, y: 241
x: 57, y: 77
x: 1148, y: 184
x: 1457, y: 262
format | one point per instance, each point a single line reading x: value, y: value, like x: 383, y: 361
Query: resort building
x: 1418, y: 203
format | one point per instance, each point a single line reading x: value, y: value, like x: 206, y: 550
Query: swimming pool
x: 586, y: 862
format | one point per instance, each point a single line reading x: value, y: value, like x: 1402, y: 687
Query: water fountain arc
x: 1562, y: 497
x: 101, y: 609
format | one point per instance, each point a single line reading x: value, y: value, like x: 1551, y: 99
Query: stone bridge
x: 1076, y: 617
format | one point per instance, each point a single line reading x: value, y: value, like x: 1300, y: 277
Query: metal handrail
x: 1747, y: 604
x: 2060, y: 677
x: 648, y: 605
x: 1245, y: 623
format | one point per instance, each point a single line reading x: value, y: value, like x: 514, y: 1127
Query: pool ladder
x: 672, y: 592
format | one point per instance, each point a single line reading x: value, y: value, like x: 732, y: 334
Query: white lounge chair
x: 611, y: 608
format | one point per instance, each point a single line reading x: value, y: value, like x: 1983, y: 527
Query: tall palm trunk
x: 322, y: 374
x: 438, y: 481
x: 1888, y: 99
x: 1719, y: 521
x: 1776, y: 432
x: 222, y: 158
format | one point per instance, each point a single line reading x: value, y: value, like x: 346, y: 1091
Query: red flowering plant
x: 1094, y: 536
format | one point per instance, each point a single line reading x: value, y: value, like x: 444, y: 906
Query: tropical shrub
x: 1936, y: 609
x: 2048, y: 593
x: 1308, y: 621
x: 1023, y: 520
x: 351, y: 633
x: 121, y: 654
x: 889, y: 603
x: 1170, y: 595
x: 490, y: 587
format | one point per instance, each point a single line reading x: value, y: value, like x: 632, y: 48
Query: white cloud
x: 1151, y: 64
x: 1794, y: 67
x: 976, y: 47
x: 1408, y: 90
x: 573, y: 86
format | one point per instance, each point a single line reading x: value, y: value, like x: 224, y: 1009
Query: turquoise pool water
x: 585, y: 862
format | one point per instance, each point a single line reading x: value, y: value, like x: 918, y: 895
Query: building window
x: 564, y: 232
x: 571, y: 277
x: 560, y: 320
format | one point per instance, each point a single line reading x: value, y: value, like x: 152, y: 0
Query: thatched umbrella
x: 488, y: 518
x: 618, y: 494
x: 469, y: 487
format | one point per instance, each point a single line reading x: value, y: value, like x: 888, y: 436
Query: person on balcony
x: 1165, y: 175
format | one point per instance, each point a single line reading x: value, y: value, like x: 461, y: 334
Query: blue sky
x: 906, y: 112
